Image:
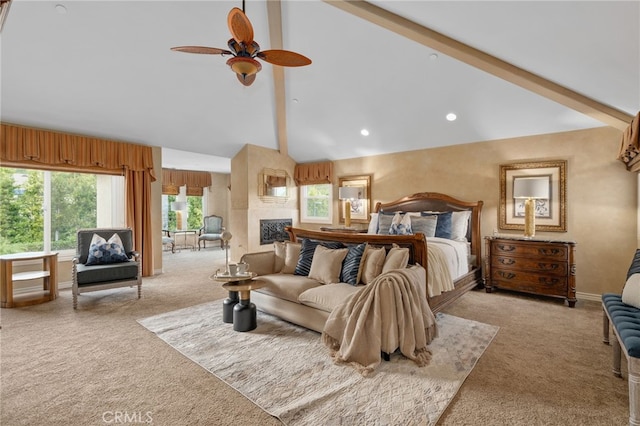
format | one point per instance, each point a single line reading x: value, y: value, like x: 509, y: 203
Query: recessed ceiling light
x: 295, y: 100
x: 61, y: 9
x: 451, y: 116
x: 433, y: 56
x: 364, y: 132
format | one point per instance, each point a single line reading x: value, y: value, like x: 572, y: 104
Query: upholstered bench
x: 625, y: 322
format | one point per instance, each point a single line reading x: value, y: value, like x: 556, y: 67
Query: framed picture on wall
x: 361, y: 206
x: 550, y: 213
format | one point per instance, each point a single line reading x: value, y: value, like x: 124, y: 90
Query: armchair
x: 211, y: 231
x: 105, y: 265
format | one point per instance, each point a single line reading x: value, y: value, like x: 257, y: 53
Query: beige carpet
x: 60, y: 367
x: 286, y: 370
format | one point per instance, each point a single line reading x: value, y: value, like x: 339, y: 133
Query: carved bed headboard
x: 437, y: 202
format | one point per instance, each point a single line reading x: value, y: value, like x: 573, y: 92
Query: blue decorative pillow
x: 103, y: 252
x: 350, y: 273
x: 401, y: 225
x: 443, y: 227
x: 306, y: 254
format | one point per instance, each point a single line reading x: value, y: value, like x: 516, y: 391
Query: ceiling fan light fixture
x: 244, y: 66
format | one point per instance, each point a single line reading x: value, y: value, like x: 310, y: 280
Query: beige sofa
x: 306, y: 301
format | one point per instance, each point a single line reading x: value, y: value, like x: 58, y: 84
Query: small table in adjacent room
x: 48, y: 273
x: 237, y: 308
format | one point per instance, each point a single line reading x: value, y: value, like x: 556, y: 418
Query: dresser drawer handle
x: 550, y: 252
x: 507, y: 275
x: 549, y: 281
x: 506, y: 248
x: 548, y: 266
x: 506, y: 261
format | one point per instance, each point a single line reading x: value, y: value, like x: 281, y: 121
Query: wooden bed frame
x: 417, y: 243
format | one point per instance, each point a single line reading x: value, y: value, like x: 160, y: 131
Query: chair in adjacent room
x: 105, y: 259
x: 168, y: 243
x: 211, y: 231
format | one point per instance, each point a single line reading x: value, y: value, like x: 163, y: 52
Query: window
x: 316, y: 203
x: 194, y: 213
x: 42, y: 210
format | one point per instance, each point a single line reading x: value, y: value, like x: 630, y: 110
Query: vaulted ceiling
x: 396, y: 68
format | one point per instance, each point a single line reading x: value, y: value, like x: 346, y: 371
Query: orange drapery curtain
x: 630, y: 146
x: 313, y: 173
x: 173, y: 179
x: 48, y: 150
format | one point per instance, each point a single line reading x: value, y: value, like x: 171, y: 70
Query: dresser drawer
x: 514, y: 248
x: 530, y: 264
x: 532, y: 283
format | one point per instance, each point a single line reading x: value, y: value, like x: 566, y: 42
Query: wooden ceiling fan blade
x: 240, y: 26
x: 248, y: 80
x: 284, y: 58
x: 202, y: 50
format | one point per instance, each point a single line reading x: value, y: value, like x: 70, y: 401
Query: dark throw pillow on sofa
x: 351, y: 264
x: 306, y: 254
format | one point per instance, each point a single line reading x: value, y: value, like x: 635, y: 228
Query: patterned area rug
x: 286, y: 370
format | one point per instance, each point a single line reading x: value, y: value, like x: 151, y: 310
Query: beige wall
x: 601, y: 194
x: 246, y: 207
x: 218, y: 196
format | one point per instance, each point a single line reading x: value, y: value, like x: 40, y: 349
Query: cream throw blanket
x: 439, y: 277
x: 390, y: 312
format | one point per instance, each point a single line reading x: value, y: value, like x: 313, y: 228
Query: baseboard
x: 589, y: 296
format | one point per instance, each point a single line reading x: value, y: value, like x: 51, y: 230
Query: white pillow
x: 631, y: 291
x: 459, y: 225
x: 373, y: 224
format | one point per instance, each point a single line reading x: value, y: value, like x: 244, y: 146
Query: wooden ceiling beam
x: 485, y: 62
x: 274, y: 14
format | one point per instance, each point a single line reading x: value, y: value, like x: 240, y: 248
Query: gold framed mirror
x: 273, y: 185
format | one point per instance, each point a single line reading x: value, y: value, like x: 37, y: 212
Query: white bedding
x: 457, y: 254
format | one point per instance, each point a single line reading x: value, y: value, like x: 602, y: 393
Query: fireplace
x: 272, y: 230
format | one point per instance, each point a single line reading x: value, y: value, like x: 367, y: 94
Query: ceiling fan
x: 244, y: 50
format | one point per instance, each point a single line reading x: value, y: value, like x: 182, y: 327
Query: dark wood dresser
x: 531, y: 265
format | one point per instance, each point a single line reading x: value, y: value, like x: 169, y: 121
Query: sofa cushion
x: 103, y: 252
x: 92, y: 274
x: 327, y: 264
x: 286, y: 286
x: 306, y: 254
x: 291, y: 256
x: 352, y: 264
x: 397, y: 258
x: 327, y: 297
x: 280, y: 253
x: 372, y: 263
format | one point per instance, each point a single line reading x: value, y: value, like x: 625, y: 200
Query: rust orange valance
x: 630, y: 146
x: 313, y: 173
x: 173, y: 179
x: 44, y: 149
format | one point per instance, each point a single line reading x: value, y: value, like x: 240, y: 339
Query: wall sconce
x: 179, y: 207
x: 348, y: 193
x: 530, y: 189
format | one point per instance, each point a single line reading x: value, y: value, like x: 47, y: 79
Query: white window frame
x: 304, y: 217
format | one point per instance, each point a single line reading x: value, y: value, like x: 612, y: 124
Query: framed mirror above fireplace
x: 273, y: 185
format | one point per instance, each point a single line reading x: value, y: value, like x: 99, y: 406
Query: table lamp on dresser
x: 530, y: 189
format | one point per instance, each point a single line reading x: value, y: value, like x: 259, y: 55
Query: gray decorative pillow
x: 425, y: 224
x: 384, y: 223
